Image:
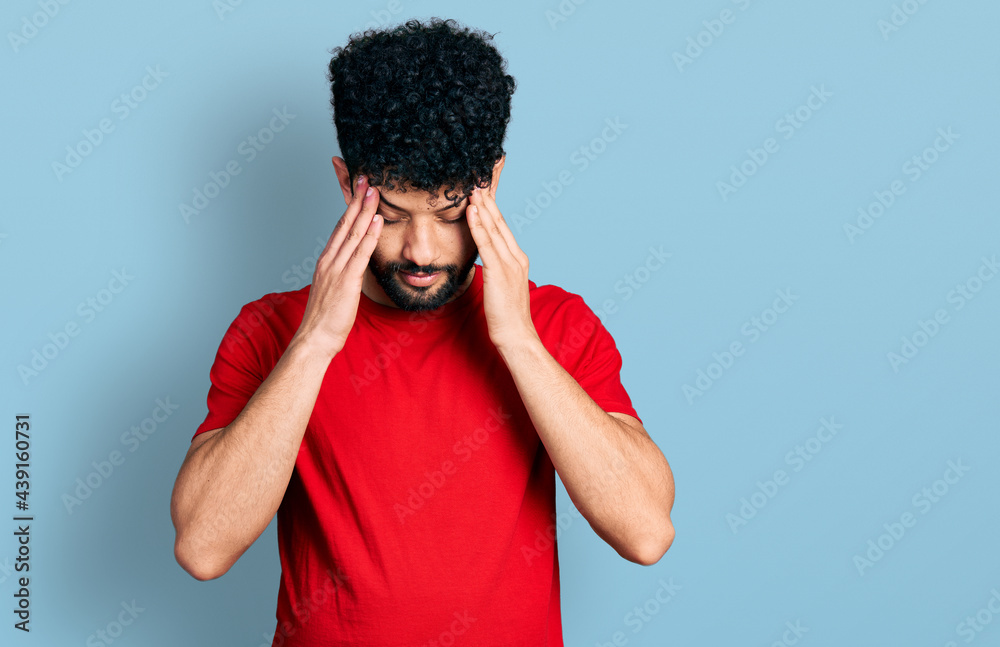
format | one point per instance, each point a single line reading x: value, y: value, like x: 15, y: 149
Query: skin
x: 234, y: 478
x: 628, y: 508
x: 420, y: 233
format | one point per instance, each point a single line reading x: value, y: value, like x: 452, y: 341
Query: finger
x: 491, y: 256
x: 486, y: 228
x: 500, y: 223
x: 356, y: 233
x: 349, y: 215
x: 363, y: 252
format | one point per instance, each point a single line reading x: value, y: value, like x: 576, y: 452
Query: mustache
x: 417, y: 269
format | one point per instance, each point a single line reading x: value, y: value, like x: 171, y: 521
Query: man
x: 405, y: 414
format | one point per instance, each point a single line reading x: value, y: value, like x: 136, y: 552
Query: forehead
x: 416, y: 200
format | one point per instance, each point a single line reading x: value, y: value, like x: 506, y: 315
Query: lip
x: 419, y: 280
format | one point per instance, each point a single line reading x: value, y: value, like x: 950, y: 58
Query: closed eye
x: 454, y: 221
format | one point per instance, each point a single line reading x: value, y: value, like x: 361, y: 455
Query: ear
x: 346, y: 186
x: 496, y: 176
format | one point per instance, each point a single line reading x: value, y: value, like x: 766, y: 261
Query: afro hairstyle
x: 421, y: 106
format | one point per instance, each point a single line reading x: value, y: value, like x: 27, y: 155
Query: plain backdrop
x: 822, y: 176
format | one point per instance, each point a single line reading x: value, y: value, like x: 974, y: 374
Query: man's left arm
x: 614, y: 473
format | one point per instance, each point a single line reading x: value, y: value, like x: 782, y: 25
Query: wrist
x: 520, y: 344
x: 313, y: 347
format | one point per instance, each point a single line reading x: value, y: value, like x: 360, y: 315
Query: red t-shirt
x: 421, y: 497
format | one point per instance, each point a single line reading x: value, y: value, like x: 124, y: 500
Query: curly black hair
x: 421, y: 106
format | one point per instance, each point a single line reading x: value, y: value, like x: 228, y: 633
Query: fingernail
x: 360, y: 179
x: 369, y: 192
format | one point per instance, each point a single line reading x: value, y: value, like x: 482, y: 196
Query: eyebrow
x: 382, y: 200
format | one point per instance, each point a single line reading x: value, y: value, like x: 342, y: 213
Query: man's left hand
x: 505, y: 273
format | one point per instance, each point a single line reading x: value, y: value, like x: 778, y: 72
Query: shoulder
x: 551, y: 302
x: 567, y: 326
x: 269, y: 318
x: 280, y: 303
x: 281, y: 300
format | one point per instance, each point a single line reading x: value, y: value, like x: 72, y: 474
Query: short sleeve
x: 597, y: 368
x: 236, y: 373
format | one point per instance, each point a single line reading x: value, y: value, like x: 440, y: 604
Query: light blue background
x: 653, y: 185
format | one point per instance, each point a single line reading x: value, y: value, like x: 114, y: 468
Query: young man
x: 405, y: 414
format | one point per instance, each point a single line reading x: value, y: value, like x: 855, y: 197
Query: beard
x: 416, y: 298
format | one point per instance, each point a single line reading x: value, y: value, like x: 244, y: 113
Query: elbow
x: 194, y: 547
x: 653, y: 547
x: 196, y: 566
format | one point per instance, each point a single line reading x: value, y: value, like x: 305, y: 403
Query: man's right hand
x: 336, y: 288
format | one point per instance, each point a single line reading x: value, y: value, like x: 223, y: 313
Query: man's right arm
x: 233, y: 479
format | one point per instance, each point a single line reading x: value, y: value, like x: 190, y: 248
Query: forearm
x: 615, y: 475
x: 229, y: 488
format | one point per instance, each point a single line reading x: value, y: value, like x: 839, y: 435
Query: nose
x: 421, y: 247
